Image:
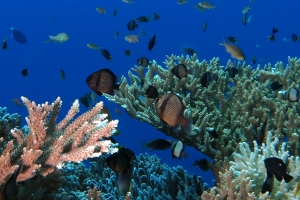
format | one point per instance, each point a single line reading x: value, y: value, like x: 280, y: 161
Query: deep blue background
x: 179, y: 26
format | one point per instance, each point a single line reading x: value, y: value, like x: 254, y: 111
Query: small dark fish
x: 202, y: 164
x: 204, y: 27
x: 118, y: 111
x: 276, y: 86
x: 152, y: 92
x: 189, y: 51
x: 274, y: 31
x: 85, y: 102
x: 244, y: 20
x: 206, y: 79
x: 17, y: 102
x: 261, y: 133
x: 105, y: 53
x: 170, y: 108
x: 253, y: 60
x: 232, y: 71
x: 4, y: 44
x: 157, y: 144
x: 8, y: 190
x: 271, y: 37
x: 178, y: 150
x: 143, y: 61
x: 115, y: 12
x: 152, y: 42
x: 212, y: 132
x: 156, y: 16
x: 118, y: 162
x: 116, y: 34
x: 19, y: 36
x: 232, y: 39
x: 132, y: 25
x: 143, y: 19
x: 180, y: 71
x: 62, y: 74
x: 127, y: 52
x: 278, y: 168
x: 292, y: 94
x: 24, y: 72
x: 103, y: 81
x: 275, y: 167
x: 294, y: 38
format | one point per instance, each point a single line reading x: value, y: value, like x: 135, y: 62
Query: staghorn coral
x: 237, y: 108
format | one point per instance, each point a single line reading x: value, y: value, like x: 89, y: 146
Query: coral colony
x: 241, y: 119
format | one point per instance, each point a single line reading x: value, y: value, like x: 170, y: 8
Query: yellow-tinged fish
x: 234, y: 50
x: 132, y: 38
x: 207, y: 5
x: 61, y: 38
x: 246, y: 9
x: 92, y: 46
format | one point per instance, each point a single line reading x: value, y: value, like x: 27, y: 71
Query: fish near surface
x: 170, y: 109
x: 207, y: 5
x: 234, y: 50
x: 103, y: 81
x: 60, y: 38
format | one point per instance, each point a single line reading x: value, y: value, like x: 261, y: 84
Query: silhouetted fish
x: 103, y: 81
x: 18, y: 36
x: 152, y: 92
x: 152, y: 42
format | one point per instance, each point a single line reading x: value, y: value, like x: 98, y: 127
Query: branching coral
x: 240, y: 109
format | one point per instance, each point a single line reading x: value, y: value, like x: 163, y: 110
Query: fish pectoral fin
x: 47, y: 41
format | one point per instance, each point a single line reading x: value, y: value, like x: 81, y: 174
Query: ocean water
x: 179, y: 26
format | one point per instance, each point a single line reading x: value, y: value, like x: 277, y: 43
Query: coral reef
x: 241, y: 108
x: 7, y: 122
x: 49, y: 145
x: 151, y: 180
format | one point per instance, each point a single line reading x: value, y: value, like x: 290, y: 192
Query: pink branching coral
x: 49, y: 145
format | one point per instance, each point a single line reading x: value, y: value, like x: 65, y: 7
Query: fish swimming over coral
x: 275, y: 167
x: 102, y: 81
x: 233, y: 50
x: 157, y: 144
x: 178, y: 150
x: 180, y: 71
x: 170, y: 108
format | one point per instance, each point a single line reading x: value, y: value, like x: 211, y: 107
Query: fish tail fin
x: 185, y: 155
x: 287, y: 178
x: 188, y: 126
x: 144, y: 145
x: 50, y: 39
x: 224, y: 42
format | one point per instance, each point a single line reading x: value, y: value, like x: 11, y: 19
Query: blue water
x: 179, y: 26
